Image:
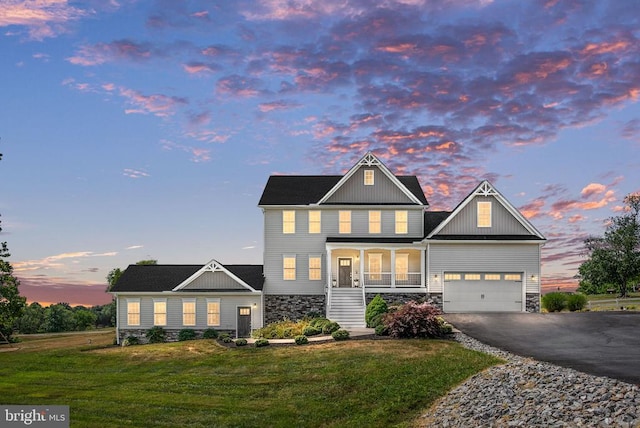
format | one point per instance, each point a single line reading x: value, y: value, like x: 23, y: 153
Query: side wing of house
x: 197, y: 297
x: 485, y: 256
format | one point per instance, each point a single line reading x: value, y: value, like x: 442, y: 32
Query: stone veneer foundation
x: 293, y: 307
x: 533, y: 302
x: 170, y: 335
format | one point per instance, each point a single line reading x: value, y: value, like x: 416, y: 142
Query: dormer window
x: 484, y: 214
x: 369, y: 175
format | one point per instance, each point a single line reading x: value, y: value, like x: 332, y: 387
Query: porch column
x: 393, y: 268
x: 423, y: 267
x: 329, y: 275
x: 361, y: 273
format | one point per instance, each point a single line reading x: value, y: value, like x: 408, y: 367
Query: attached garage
x: 483, y: 292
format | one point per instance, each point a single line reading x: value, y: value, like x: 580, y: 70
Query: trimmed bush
x: 262, y: 342
x: 376, y: 308
x: 210, y: 333
x: 576, y: 302
x: 554, y: 302
x: 330, y: 327
x: 186, y: 334
x: 131, y: 340
x: 301, y: 340
x: 382, y: 330
x: 156, y: 335
x: 341, y: 334
x: 311, y: 331
x: 414, y: 320
x: 319, y: 322
x: 241, y: 342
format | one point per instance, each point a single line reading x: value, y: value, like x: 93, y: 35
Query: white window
x: 375, y: 266
x: 472, y: 277
x: 402, y: 226
x: 213, y: 311
x: 484, y: 214
x: 188, y: 311
x: 512, y: 277
x: 159, y: 311
x: 492, y: 277
x: 344, y: 222
x: 288, y: 222
x: 289, y: 268
x: 375, y: 222
x: 369, y: 175
x: 315, y: 224
x: 452, y: 277
x: 402, y: 267
x: 133, y: 312
x: 315, y: 268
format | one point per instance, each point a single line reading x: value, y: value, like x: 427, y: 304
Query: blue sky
x: 147, y: 129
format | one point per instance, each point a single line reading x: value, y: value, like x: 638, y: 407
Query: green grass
x: 202, y: 384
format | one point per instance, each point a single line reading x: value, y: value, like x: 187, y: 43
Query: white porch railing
x: 383, y: 279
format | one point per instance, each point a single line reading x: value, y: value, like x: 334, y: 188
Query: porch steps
x: 347, y: 307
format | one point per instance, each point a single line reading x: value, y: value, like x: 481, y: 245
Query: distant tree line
x: 62, y: 317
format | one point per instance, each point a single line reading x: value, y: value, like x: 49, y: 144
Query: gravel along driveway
x: 597, y: 343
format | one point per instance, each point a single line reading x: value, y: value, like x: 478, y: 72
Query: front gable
x: 501, y: 219
x: 371, y: 182
x: 214, y: 276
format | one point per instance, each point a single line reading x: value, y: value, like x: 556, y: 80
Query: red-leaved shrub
x: 414, y: 320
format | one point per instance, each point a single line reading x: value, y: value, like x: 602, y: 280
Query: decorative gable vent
x: 485, y: 189
x: 370, y: 160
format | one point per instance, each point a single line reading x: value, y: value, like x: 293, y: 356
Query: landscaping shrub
x: 382, y: 330
x: 262, y: 342
x: 376, y: 308
x: 210, y: 333
x: 445, y: 326
x: 131, y: 340
x: 341, y: 334
x: 301, y: 340
x: 311, y: 331
x: 285, y: 329
x: 241, y: 342
x: 330, y: 327
x: 576, y: 302
x: 186, y: 334
x: 156, y: 335
x: 414, y: 320
x: 554, y: 302
x: 319, y: 322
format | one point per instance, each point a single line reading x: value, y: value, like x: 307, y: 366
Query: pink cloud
x: 277, y: 105
x: 198, y: 154
x: 236, y: 85
x: 157, y: 104
x: 118, y: 50
x: 43, y: 18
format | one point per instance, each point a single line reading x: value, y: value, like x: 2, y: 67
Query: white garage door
x: 482, y: 292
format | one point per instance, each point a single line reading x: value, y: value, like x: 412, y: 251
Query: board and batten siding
x: 228, y: 310
x: 214, y: 280
x: 383, y: 191
x: 466, y: 221
x: 468, y: 257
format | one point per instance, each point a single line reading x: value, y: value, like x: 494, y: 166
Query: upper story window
x: 375, y: 222
x: 315, y: 268
x: 289, y: 268
x: 315, y: 223
x: 402, y: 222
x: 288, y: 222
x: 189, y: 312
x: 133, y: 312
x: 160, y: 312
x: 344, y: 225
x: 369, y: 177
x: 484, y: 214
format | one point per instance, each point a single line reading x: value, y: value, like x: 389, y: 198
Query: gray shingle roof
x: 158, y: 278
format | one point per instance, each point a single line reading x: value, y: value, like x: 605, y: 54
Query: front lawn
x: 202, y: 384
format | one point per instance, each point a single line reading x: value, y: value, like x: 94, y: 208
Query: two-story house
x: 332, y: 242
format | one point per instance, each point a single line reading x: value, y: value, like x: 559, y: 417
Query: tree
x: 12, y: 304
x: 114, y: 274
x: 84, y: 319
x: 615, y: 257
x: 58, y: 317
x: 32, y: 321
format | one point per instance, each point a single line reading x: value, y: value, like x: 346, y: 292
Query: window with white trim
x: 315, y: 223
x: 472, y: 277
x: 188, y: 311
x: 289, y: 268
x: 159, y: 311
x: 375, y: 222
x: 369, y: 177
x: 213, y: 312
x: 133, y: 311
x: 402, y: 222
x: 452, y: 277
x: 344, y: 222
x: 512, y: 277
x: 402, y: 267
x: 492, y: 277
x: 315, y: 268
x: 375, y: 266
x: 288, y: 222
x: 484, y: 213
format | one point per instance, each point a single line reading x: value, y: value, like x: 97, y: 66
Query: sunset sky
x: 147, y: 129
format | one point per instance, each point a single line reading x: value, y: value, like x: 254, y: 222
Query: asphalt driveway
x: 598, y: 343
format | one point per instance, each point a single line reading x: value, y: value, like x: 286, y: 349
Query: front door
x: 244, y: 321
x: 344, y: 272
